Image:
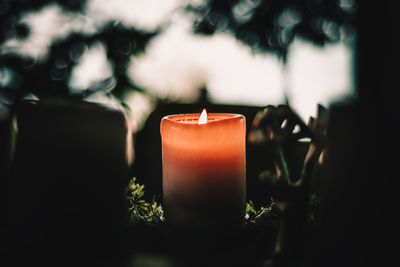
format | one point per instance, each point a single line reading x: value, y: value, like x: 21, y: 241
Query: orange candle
x: 204, y: 167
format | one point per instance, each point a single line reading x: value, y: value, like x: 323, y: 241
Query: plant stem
x: 281, y: 167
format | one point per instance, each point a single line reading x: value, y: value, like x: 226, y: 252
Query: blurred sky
x: 177, y: 62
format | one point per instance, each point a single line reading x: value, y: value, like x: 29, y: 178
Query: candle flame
x: 203, y: 117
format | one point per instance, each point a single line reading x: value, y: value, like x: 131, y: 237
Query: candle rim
x: 211, y: 118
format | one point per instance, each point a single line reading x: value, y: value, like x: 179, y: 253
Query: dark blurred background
x: 158, y: 58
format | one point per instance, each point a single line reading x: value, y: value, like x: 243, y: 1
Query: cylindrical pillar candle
x: 204, y: 168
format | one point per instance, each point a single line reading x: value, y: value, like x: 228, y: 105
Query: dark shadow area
x: 358, y: 221
x: 66, y: 202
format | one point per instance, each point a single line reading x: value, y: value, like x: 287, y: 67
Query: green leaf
x: 139, y: 210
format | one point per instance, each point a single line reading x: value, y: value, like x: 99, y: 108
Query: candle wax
x: 204, y: 167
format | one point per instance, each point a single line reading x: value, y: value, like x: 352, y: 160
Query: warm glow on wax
x: 203, y: 117
x: 204, y: 167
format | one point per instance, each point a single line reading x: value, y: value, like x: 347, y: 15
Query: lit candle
x: 204, y: 167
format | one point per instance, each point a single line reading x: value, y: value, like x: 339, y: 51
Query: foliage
x: 139, y: 210
x: 50, y: 75
x: 280, y: 125
x: 260, y: 216
x: 152, y: 213
x: 295, y: 198
x: 264, y: 25
x: 271, y: 25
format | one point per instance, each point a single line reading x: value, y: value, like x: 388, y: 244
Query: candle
x: 204, y: 167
